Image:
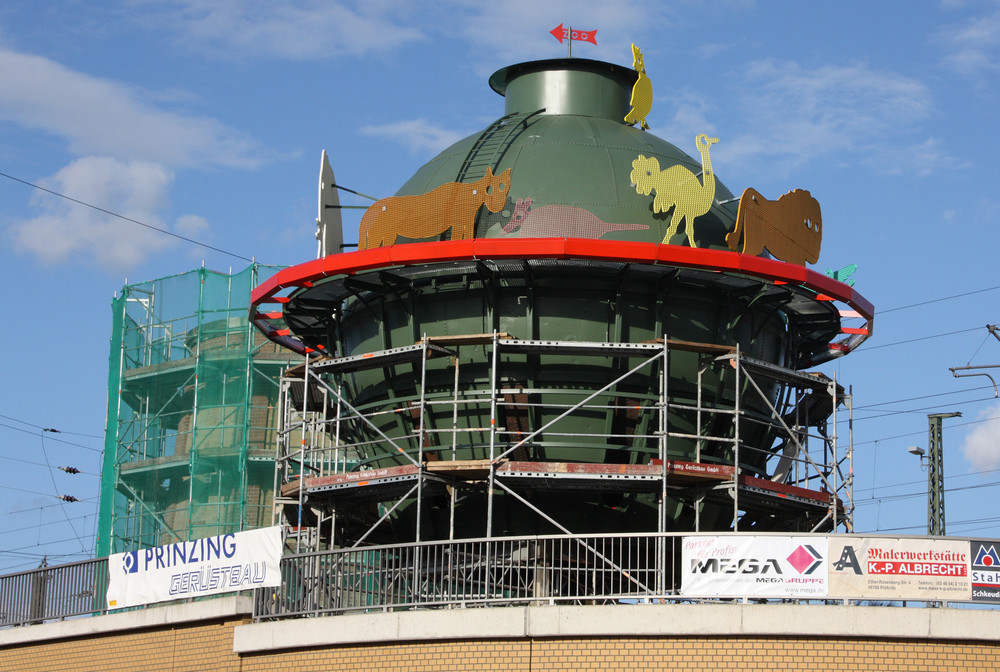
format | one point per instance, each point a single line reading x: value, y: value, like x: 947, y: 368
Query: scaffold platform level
x: 336, y: 462
x: 698, y: 478
x: 813, y: 381
x: 438, y: 346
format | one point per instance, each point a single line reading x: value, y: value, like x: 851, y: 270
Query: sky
x: 207, y: 120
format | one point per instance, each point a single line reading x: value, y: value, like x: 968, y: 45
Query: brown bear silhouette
x: 791, y: 228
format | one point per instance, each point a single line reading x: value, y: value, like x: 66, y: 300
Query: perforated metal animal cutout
x: 678, y: 188
x: 642, y: 93
x: 560, y: 221
x: 791, y: 228
x: 451, y: 206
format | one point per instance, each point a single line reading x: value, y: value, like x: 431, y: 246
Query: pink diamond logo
x: 805, y: 559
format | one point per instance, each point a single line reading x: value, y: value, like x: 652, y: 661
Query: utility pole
x: 935, y: 473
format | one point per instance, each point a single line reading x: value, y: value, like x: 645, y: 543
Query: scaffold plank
x: 466, y: 339
x: 582, y: 348
x: 371, y: 360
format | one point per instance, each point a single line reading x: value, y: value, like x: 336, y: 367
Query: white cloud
x: 833, y: 104
x: 70, y: 231
x: 795, y: 114
x: 973, y: 48
x: 191, y: 226
x: 419, y: 135
x: 692, y: 115
x: 101, y: 117
x: 923, y: 158
x: 129, y: 148
x: 303, y: 30
x: 510, y: 31
x: 518, y: 30
x: 982, y: 444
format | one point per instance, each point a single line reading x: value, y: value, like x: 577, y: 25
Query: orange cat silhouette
x: 451, y: 206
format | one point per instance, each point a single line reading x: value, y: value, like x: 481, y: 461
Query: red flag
x: 561, y: 34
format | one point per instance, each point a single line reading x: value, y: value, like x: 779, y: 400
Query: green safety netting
x: 192, y: 412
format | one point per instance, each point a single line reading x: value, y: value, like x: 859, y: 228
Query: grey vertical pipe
x: 737, y: 396
x: 302, y: 453
x: 454, y: 453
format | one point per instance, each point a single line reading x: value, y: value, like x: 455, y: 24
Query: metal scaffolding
x: 336, y: 465
x: 192, y: 412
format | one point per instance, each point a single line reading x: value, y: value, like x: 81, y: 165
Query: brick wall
x: 193, y: 637
x: 180, y: 648
x: 640, y: 653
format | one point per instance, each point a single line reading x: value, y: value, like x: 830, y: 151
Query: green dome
x: 560, y: 163
x: 564, y: 139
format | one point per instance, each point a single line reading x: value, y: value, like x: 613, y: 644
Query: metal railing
x: 498, y: 571
x: 51, y: 593
x: 549, y: 570
x: 474, y: 572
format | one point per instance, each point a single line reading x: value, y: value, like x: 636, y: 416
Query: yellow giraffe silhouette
x: 678, y: 188
x: 642, y: 93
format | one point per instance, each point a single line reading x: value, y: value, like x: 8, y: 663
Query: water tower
x: 564, y: 324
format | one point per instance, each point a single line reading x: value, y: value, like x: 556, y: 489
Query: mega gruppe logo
x: 805, y: 559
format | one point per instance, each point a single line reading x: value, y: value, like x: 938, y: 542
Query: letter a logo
x: 848, y: 560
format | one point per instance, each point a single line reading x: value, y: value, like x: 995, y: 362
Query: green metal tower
x: 935, y: 473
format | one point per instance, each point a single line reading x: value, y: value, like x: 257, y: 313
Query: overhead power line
x: 865, y: 407
x: 888, y: 413
x: 68, y: 470
x: 923, y: 432
x: 922, y: 493
x: 52, y: 438
x: 50, y: 429
x: 943, y: 298
x: 127, y: 219
x: 920, y: 338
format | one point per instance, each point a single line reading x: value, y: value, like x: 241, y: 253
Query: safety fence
x: 631, y: 568
x: 478, y: 572
x: 50, y: 593
x: 574, y: 569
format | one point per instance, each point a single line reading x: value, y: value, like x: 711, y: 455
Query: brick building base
x: 217, y: 635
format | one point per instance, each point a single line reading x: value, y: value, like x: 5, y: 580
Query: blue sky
x: 207, y: 120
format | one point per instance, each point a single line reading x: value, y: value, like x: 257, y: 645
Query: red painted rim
x: 274, y: 290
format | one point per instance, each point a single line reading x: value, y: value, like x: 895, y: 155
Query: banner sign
x: 754, y: 566
x: 985, y: 571
x: 899, y: 569
x: 208, y: 566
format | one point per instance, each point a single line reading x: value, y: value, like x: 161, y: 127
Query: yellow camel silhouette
x: 678, y: 188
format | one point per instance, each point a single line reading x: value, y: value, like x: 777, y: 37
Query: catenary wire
x: 127, y: 219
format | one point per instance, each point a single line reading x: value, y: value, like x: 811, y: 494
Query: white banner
x: 900, y: 569
x: 208, y: 566
x: 761, y: 566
